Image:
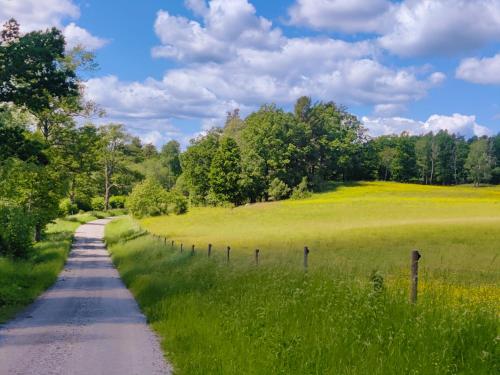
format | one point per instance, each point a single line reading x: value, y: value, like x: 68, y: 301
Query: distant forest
x: 272, y: 151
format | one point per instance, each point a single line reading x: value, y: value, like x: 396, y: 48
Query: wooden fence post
x: 415, y: 256
x: 228, y: 253
x: 306, y: 254
x: 172, y: 244
x: 192, y: 250
x: 182, y: 248
x: 209, y: 249
x: 257, y: 251
x: 165, y: 240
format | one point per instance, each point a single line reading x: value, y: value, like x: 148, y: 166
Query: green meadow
x: 349, y: 314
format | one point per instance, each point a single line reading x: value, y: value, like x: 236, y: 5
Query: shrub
x: 16, y: 231
x: 117, y: 201
x: 278, y: 190
x: 84, y: 203
x: 148, y: 198
x: 66, y: 207
x: 97, y: 204
x: 301, y: 191
x: 179, y: 202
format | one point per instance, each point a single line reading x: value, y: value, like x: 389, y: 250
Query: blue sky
x: 173, y: 68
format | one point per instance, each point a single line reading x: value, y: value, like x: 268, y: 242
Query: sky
x: 171, y: 69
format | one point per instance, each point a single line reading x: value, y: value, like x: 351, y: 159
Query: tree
x: 10, y: 32
x: 480, y: 161
x: 404, y: 166
x: 273, y: 146
x: 170, y: 158
x: 234, y: 125
x: 113, y: 141
x: 387, y: 156
x: 423, y: 155
x: 196, y: 162
x: 225, y: 172
x: 33, y: 74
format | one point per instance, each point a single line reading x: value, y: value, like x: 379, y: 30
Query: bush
x: 84, y: 203
x: 301, y: 191
x: 148, y: 198
x: 179, y: 203
x: 97, y: 204
x: 67, y: 208
x: 117, y: 201
x: 16, y: 232
x: 278, y: 190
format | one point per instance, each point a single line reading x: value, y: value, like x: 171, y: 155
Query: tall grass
x: 218, y: 318
x: 21, y: 281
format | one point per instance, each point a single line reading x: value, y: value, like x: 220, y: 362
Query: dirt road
x: 87, y: 323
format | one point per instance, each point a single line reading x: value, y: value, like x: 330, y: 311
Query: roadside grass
x: 232, y: 318
x: 21, y: 281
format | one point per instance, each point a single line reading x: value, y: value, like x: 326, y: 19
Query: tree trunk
x: 38, y: 233
x: 432, y: 171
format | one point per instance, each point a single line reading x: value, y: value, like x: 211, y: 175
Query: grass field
x: 275, y: 319
x: 21, y: 281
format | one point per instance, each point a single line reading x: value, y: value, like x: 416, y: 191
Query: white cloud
x: 75, y: 36
x: 456, y: 123
x: 444, y: 27
x: 341, y: 15
x: 236, y: 56
x: 483, y: 71
x: 198, y: 7
x: 228, y: 25
x: 408, y: 27
x: 40, y: 15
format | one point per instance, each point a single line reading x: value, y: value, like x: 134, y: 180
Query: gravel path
x: 87, y: 323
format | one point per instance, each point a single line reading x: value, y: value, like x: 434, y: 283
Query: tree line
x: 271, y: 153
x: 54, y: 161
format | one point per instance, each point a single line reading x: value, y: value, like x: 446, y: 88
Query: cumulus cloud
x: 445, y: 27
x: 456, y: 123
x: 39, y: 15
x: 228, y: 25
x: 341, y: 15
x: 484, y: 71
x: 77, y: 36
x: 408, y: 27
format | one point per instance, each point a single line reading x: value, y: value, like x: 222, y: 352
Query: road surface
x: 88, y: 323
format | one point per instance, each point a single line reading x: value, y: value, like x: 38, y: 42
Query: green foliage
x: 404, y: 165
x: 66, y: 207
x: 301, y: 191
x: 97, y: 203
x: 196, y: 162
x: 170, y: 157
x: 32, y: 73
x: 480, y: 161
x: 178, y: 202
x: 148, y: 198
x: 225, y: 172
x: 278, y: 190
x: 117, y: 201
x: 16, y: 232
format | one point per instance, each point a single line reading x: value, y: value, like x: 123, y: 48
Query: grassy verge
x: 216, y: 318
x: 21, y: 281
